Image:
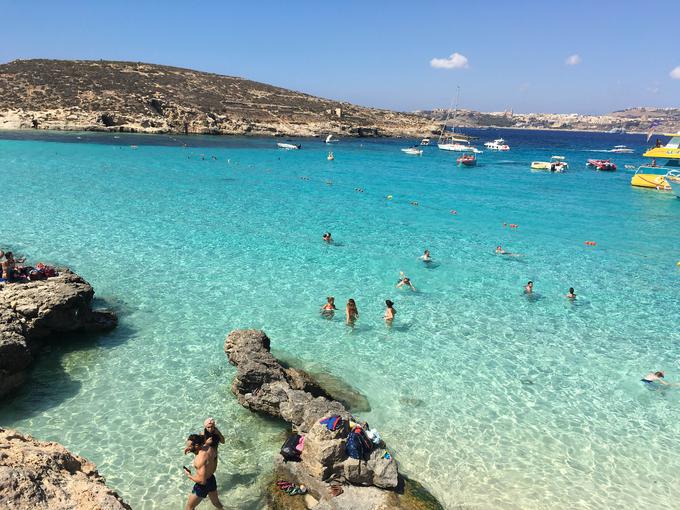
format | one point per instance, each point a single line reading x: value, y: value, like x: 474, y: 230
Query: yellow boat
x: 653, y: 176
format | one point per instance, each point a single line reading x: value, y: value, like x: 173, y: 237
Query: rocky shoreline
x: 263, y: 385
x: 31, y: 313
x: 40, y: 475
x: 134, y: 97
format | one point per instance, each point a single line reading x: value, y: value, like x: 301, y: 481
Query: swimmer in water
x: 501, y: 251
x: 529, y: 288
x: 405, y: 280
x: 351, y: 312
x: 425, y: 257
x: 327, y: 237
x: 389, y: 312
x: 655, y: 377
x: 329, y: 308
x: 571, y: 295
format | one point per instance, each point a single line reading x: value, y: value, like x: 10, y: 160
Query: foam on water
x: 489, y: 398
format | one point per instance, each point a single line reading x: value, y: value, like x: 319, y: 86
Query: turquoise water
x: 491, y: 399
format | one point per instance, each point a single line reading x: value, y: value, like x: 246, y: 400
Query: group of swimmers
x: 352, y: 313
x: 204, y: 447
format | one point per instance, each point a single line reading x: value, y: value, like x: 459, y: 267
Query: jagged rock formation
x: 262, y: 384
x: 31, y: 312
x: 137, y: 97
x: 40, y: 475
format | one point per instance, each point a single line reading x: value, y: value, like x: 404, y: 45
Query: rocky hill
x: 635, y: 120
x: 138, y: 97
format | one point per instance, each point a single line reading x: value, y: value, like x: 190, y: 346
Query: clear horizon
x: 579, y: 58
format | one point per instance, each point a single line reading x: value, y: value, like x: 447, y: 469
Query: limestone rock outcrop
x: 40, y: 475
x: 262, y: 384
x: 32, y: 312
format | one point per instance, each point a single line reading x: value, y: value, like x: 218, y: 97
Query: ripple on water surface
x: 491, y: 399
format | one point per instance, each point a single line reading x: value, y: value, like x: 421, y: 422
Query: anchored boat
x: 621, y: 149
x: 497, y: 145
x: 453, y: 141
x: 603, y: 165
x: 467, y: 160
x: 288, y: 146
x: 555, y: 165
x: 653, y: 176
x: 414, y: 151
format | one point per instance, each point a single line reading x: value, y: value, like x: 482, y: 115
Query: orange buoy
x: 591, y: 243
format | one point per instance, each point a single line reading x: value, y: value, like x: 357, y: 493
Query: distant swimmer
x: 327, y: 237
x: 529, y: 288
x: 425, y: 257
x: 571, y: 295
x: 351, y: 312
x: 653, y: 378
x: 501, y: 251
x: 329, y: 308
x: 405, y: 280
x: 389, y: 312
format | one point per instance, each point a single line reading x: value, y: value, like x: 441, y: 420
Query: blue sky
x: 379, y: 53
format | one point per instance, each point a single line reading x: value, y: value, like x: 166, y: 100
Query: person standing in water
x: 205, y: 463
x: 425, y: 257
x: 327, y: 237
x: 389, y: 312
x: 529, y: 288
x: 351, y: 312
x: 571, y: 295
x: 328, y: 310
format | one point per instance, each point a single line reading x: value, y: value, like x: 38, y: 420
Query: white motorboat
x: 425, y: 141
x: 288, y: 146
x: 497, y: 145
x: 330, y: 139
x: 621, y: 149
x: 413, y: 151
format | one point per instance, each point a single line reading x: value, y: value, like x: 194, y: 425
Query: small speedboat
x: 555, y: 165
x: 621, y: 149
x: 425, y: 141
x: 645, y: 178
x: 497, y: 145
x: 467, y: 160
x: 288, y: 146
x: 604, y: 165
x: 414, y: 151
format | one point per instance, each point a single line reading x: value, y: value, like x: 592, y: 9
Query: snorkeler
x: 404, y: 280
x: 425, y: 257
x: 327, y: 237
x: 389, y: 312
x: 329, y: 308
x: 351, y: 312
x: 571, y: 295
x: 529, y: 288
x: 501, y: 251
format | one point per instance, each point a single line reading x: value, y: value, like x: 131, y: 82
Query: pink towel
x: 301, y: 444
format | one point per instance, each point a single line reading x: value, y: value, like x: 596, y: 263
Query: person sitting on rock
x: 9, y: 269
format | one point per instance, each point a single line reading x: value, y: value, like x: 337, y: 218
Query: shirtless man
x: 205, y: 463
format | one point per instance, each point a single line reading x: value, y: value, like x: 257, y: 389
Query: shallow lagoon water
x: 491, y: 399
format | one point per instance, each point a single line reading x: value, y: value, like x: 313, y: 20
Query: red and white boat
x: 604, y: 165
x: 467, y: 160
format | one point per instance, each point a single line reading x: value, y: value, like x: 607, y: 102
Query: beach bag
x: 358, y: 446
x: 332, y: 423
x: 289, y: 450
